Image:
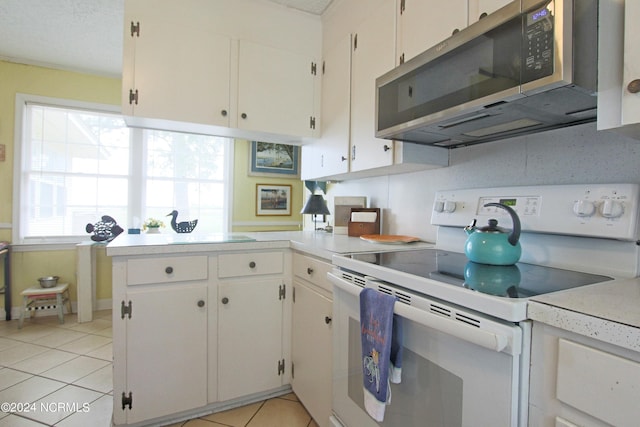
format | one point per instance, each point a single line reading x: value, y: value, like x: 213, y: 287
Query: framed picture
x: 270, y: 159
x: 273, y: 199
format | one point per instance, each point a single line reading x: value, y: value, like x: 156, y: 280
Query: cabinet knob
x: 343, y: 158
x: 252, y: 264
x: 386, y: 148
x: 309, y: 271
x: 483, y: 15
x: 456, y: 30
x: 201, y: 303
x: 327, y: 320
x: 223, y: 113
x: 168, y: 270
x: 634, y: 86
x: 225, y: 300
x: 243, y: 115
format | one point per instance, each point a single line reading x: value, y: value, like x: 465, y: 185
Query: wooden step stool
x: 39, y: 298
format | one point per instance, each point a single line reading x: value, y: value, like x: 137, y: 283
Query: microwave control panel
x: 538, y: 41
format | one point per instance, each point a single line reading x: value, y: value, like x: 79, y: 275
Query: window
x: 79, y: 162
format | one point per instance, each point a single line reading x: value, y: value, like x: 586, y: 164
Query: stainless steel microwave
x: 528, y: 67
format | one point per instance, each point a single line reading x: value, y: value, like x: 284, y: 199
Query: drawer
x: 141, y: 271
x: 250, y: 264
x: 312, y: 270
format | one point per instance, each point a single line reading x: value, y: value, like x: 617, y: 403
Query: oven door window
x: 446, y: 382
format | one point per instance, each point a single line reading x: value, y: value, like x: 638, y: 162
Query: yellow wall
x: 244, y: 196
x: 26, y: 267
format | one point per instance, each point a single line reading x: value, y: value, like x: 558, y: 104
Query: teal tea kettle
x: 492, y: 244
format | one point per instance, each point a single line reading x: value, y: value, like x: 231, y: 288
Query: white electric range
x: 466, y: 333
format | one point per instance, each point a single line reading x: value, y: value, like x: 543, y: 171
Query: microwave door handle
x: 486, y: 339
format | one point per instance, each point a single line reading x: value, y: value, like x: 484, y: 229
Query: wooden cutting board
x: 389, y: 238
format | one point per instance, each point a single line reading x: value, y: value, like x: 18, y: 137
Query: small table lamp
x: 316, y: 205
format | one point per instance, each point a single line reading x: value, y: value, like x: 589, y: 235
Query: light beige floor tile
x: 100, y: 380
x: 62, y: 403
x: 85, y: 344
x: 238, y: 417
x: 280, y: 412
x: 31, y: 333
x: 108, y: 332
x: 6, y: 343
x: 75, y: 369
x: 91, y: 327
x: 9, y: 327
x: 60, y: 337
x: 198, y: 422
x: 30, y: 390
x: 20, y: 352
x: 44, y: 361
x: 98, y: 415
x: 16, y: 421
x: 105, y: 352
x: 9, y: 377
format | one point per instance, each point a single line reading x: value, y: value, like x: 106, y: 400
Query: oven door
x: 447, y: 380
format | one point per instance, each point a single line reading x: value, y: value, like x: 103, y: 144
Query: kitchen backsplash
x: 572, y: 155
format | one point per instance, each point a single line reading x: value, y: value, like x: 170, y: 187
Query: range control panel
x: 595, y: 210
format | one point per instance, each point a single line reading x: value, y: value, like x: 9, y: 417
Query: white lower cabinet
x: 250, y: 345
x: 312, y: 337
x: 166, y: 341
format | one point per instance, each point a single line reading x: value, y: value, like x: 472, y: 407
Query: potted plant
x: 152, y: 225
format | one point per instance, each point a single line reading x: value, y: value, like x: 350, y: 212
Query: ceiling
x: 79, y: 35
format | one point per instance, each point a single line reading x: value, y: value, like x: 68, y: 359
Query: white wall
x: 568, y: 156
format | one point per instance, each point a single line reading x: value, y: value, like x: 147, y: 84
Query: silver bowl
x: 48, y: 281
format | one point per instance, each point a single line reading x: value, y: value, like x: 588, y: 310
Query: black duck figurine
x: 184, y: 226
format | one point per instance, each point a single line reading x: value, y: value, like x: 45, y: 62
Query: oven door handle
x: 458, y: 329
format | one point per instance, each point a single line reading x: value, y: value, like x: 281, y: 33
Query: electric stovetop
x: 515, y: 281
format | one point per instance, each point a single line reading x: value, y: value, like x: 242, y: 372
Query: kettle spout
x: 471, y: 228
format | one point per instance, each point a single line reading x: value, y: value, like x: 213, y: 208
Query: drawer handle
x: 327, y: 319
x: 309, y: 271
x: 168, y: 270
x: 225, y: 300
x: 252, y: 264
x: 201, y: 303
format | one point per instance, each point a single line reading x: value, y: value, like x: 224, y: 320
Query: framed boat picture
x: 273, y: 199
x: 271, y: 159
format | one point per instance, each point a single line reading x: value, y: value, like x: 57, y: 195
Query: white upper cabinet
x: 373, y: 52
x: 217, y: 67
x: 619, y: 67
x: 478, y: 9
x: 422, y: 24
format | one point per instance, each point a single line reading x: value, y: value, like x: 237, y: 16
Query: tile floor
x: 61, y: 375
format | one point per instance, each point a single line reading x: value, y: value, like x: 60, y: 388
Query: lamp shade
x: 315, y: 205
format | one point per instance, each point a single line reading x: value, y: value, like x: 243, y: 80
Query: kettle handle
x: 515, y: 233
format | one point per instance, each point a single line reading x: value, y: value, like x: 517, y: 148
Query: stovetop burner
x: 516, y: 281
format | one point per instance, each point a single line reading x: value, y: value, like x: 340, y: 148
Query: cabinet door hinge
x: 281, y: 367
x: 402, y: 59
x: 293, y: 294
x: 133, y: 96
x: 314, y: 68
x: 135, y: 29
x: 323, y: 67
x: 293, y: 370
x: 127, y: 400
x: 353, y: 152
x: 282, y: 291
x: 312, y: 122
x: 402, y: 6
x: 355, y: 42
x: 125, y: 309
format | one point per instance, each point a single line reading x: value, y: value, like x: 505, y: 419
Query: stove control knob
x: 438, y: 206
x: 584, y: 208
x: 449, y: 207
x: 611, y: 209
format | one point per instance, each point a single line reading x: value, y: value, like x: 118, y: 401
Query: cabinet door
x: 423, y: 24
x: 631, y: 70
x: 179, y: 69
x: 311, y: 352
x: 480, y: 8
x: 275, y: 90
x: 332, y: 156
x: 166, y: 350
x: 373, y: 51
x: 249, y: 337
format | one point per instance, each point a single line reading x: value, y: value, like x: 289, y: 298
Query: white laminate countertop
x: 608, y: 311
x: 318, y: 243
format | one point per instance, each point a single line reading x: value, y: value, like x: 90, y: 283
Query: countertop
x: 318, y: 243
x: 608, y: 311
